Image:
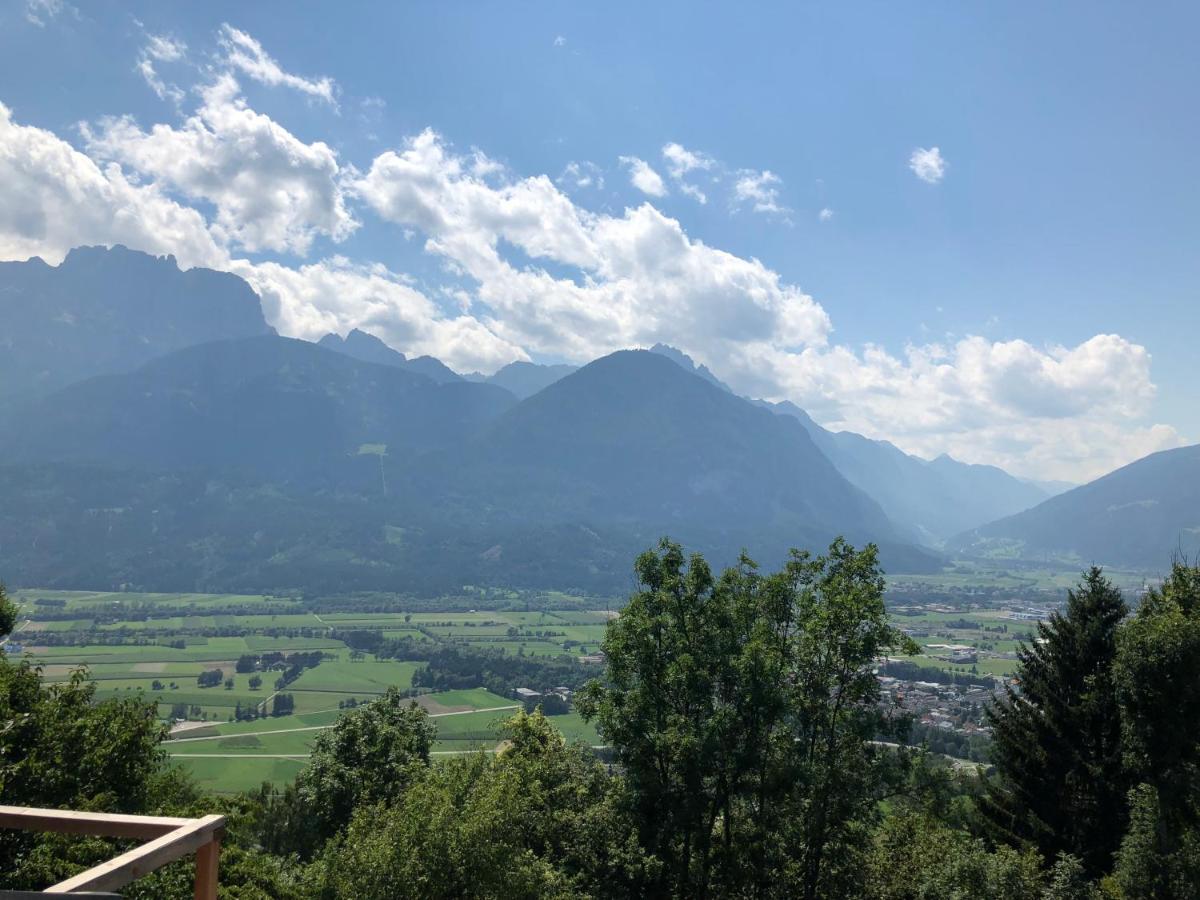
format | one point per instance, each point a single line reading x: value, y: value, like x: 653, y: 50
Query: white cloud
x: 680, y: 161
x: 644, y: 178
x: 928, y: 165
x: 244, y: 53
x: 581, y: 175
x: 825, y: 214
x: 338, y: 295
x: 1049, y: 412
x: 560, y: 41
x: 270, y: 189
x: 41, y: 12
x: 759, y: 189
x: 161, y: 48
x: 56, y: 198
x: 638, y: 278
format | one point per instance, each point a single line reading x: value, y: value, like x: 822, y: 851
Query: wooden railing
x: 167, y: 839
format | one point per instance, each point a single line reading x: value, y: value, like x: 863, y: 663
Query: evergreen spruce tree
x: 1061, y: 785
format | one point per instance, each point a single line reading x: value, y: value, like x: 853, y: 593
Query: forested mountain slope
x: 1134, y: 516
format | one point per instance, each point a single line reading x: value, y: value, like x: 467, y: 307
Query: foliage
x: 455, y: 668
x: 741, y: 710
x: 917, y: 858
x: 61, y: 748
x: 370, y: 756
x: 8, y: 614
x: 1158, y: 680
x: 537, y: 821
x: 1157, y: 859
x: 1057, y: 745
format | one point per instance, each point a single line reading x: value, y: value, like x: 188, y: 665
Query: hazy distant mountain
x: 270, y: 404
x: 936, y: 499
x: 524, y: 379
x: 689, y: 365
x: 270, y: 462
x: 110, y: 310
x: 369, y: 348
x: 1136, y: 516
x: 1052, y: 488
x: 633, y: 440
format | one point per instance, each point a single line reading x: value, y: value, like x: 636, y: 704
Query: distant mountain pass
x: 933, y: 499
x: 1136, y: 517
x: 368, y: 348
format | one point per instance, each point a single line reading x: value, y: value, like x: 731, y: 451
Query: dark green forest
x: 748, y: 755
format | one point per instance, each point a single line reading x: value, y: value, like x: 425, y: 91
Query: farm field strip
x: 442, y: 715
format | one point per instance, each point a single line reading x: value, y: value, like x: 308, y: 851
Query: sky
x: 965, y: 228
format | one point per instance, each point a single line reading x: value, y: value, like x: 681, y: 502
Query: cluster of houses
x: 553, y: 700
x: 949, y: 707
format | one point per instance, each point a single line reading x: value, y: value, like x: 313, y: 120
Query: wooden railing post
x: 207, y: 857
x: 169, y: 839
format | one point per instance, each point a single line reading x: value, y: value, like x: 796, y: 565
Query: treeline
x: 451, y: 667
x: 261, y: 662
x: 971, y: 747
x: 909, y: 671
x: 484, y: 600
x: 148, y: 612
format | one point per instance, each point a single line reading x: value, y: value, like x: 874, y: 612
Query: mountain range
x: 156, y: 432
x: 1138, y: 516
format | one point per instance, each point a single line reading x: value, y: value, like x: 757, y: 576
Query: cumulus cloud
x: 338, y: 295
x: 825, y: 214
x: 638, y: 277
x: 245, y: 54
x: 760, y: 190
x: 56, y: 198
x: 644, y: 178
x: 1047, y: 412
x: 928, y: 165
x: 271, y: 190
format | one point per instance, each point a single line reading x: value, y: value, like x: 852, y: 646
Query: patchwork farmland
x: 221, y: 667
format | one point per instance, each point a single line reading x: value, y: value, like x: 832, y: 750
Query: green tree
x: 539, y: 819
x: 917, y: 858
x: 1159, y: 859
x: 455, y: 833
x: 370, y: 756
x: 1061, y: 783
x: 8, y: 614
x: 741, y: 711
x: 1158, y: 680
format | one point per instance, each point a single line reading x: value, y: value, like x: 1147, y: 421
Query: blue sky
x: 1030, y: 303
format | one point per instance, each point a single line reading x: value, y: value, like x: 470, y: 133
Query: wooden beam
x: 69, y: 821
x: 127, y: 867
x: 206, y: 870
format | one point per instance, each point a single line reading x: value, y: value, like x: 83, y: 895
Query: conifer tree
x: 1061, y: 785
